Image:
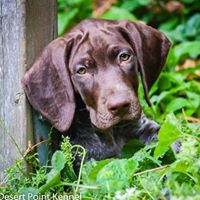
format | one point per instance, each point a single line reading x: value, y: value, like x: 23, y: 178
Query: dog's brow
x: 86, y: 60
x: 114, y: 50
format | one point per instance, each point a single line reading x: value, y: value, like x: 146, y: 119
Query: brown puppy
x: 85, y: 83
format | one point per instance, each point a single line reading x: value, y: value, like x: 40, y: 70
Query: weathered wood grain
x: 26, y: 26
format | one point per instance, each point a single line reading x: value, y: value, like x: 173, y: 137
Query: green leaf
x: 144, y: 157
x: 193, y: 26
x: 168, y: 79
x: 193, y: 98
x: 93, y: 173
x: 169, y: 25
x: 164, y: 83
x: 144, y: 2
x: 64, y: 19
x: 74, y: 3
x: 29, y: 193
x: 169, y: 133
x: 167, y: 94
x: 179, y: 33
x: 116, y: 13
x: 190, y: 49
x: 189, y: 70
x: 176, y: 104
x: 130, y: 148
x: 68, y: 172
x: 189, y: 1
x: 180, y: 166
x: 172, y: 60
x: 53, y: 178
x: 116, y: 175
x: 87, y: 167
x: 58, y: 160
x: 130, y: 5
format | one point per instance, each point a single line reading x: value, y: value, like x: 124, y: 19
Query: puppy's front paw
x: 148, y: 130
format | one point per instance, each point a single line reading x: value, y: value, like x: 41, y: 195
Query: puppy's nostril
x: 116, y: 107
x: 113, y: 109
x: 126, y: 105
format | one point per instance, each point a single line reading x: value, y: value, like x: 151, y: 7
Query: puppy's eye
x: 124, y: 57
x: 82, y: 71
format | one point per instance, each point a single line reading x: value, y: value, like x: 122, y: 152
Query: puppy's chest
x: 101, y: 145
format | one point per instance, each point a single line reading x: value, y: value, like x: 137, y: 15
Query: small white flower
x: 117, y: 195
x: 130, y: 191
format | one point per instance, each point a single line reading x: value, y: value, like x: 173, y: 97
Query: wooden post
x: 26, y: 26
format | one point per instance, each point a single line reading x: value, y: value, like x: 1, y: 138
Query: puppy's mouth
x: 117, y: 123
x: 123, y: 123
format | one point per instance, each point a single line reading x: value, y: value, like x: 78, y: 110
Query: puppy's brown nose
x: 118, y: 105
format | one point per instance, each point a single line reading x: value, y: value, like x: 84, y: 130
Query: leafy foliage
x: 156, y: 171
x: 69, y: 13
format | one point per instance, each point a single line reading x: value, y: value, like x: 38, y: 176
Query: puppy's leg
x: 148, y: 131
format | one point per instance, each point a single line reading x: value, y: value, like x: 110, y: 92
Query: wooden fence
x: 26, y: 26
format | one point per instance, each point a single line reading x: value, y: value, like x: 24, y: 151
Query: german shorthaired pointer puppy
x: 85, y: 83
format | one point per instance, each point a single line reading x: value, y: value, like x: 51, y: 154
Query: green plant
x: 152, y: 171
x: 69, y: 13
x: 44, y: 179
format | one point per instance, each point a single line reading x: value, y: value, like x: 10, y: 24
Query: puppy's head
x: 100, y: 60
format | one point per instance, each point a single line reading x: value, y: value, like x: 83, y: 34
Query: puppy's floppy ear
x: 151, y: 48
x: 48, y: 86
